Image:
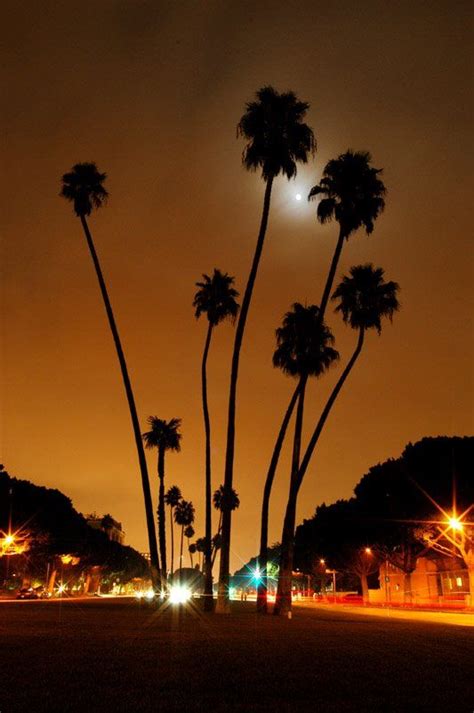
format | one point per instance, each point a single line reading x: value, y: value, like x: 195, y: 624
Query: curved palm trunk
x: 150, y: 519
x: 331, y: 274
x: 283, y: 596
x: 208, y: 598
x: 161, y: 512
x: 263, y: 556
x: 223, y: 593
x: 262, y: 588
x: 327, y: 409
x: 288, y: 536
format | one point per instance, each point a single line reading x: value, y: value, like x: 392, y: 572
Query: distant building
x: 441, y: 581
x: 112, y: 528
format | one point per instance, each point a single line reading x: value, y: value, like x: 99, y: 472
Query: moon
x: 298, y: 196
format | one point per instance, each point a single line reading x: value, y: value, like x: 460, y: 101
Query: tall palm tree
x: 172, y: 498
x: 364, y: 299
x: 223, y: 500
x: 353, y: 194
x: 277, y: 138
x: 201, y: 548
x: 303, y: 350
x: 350, y: 192
x: 164, y: 436
x: 83, y: 186
x: 192, y: 551
x: 188, y: 533
x: 217, y: 299
x: 184, y: 516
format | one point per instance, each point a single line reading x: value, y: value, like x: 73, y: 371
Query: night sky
x: 152, y: 92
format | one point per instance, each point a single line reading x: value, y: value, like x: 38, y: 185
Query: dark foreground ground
x: 109, y: 655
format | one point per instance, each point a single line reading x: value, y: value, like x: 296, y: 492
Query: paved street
x: 101, y: 655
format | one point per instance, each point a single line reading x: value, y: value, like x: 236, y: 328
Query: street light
x: 455, y: 524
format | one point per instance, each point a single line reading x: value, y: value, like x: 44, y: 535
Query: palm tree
x: 201, y: 548
x: 172, y: 498
x: 192, y: 551
x: 277, y: 138
x: 164, y: 436
x: 364, y: 299
x: 217, y: 299
x: 184, y: 516
x: 351, y: 193
x: 303, y: 350
x: 84, y: 187
x: 222, y: 502
x: 188, y: 533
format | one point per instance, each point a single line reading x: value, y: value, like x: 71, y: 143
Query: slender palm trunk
x: 263, y: 556
x: 223, y: 605
x: 288, y: 536
x: 327, y: 409
x: 208, y: 598
x: 262, y: 588
x: 283, y: 596
x: 191, y: 557
x: 172, y: 540
x: 181, y: 552
x: 331, y: 274
x: 161, y: 512
x: 150, y: 519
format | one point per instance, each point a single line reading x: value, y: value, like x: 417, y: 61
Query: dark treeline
x: 47, y: 522
x: 393, y: 511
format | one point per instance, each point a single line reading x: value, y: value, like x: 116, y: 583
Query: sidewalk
x: 457, y: 618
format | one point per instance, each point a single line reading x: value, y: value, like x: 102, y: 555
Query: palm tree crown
x: 83, y: 186
x: 225, y: 501
x: 216, y: 297
x: 184, y: 513
x: 173, y: 496
x: 163, y: 434
x: 364, y: 297
x: 276, y: 135
x: 304, y: 343
x: 351, y: 192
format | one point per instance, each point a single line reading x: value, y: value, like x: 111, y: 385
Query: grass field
x: 116, y: 655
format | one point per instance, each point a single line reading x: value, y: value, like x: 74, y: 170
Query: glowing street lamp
x: 455, y: 524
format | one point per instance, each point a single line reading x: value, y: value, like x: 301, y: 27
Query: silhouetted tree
x: 277, y: 138
x: 164, y: 436
x: 364, y: 299
x: 350, y: 192
x: 217, y: 299
x: 84, y: 187
x: 188, y: 533
x: 201, y: 548
x: 172, y: 498
x: 183, y: 516
x: 224, y: 500
x: 303, y: 350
